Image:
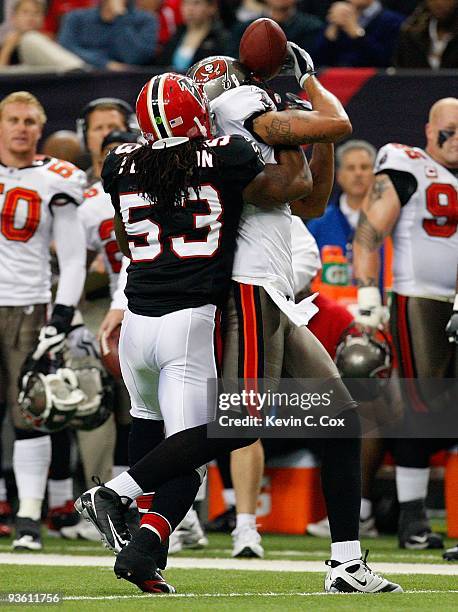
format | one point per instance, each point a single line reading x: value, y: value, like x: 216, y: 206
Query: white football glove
x: 371, y: 312
x: 302, y: 62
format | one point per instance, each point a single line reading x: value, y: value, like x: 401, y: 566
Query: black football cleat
x: 223, y: 523
x: 355, y: 576
x: 139, y: 567
x: 104, y: 508
x: 451, y: 554
x: 27, y: 534
x: 414, y: 529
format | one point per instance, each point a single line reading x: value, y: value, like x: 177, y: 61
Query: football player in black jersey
x: 178, y: 201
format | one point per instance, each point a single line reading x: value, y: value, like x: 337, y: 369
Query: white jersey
x: 263, y: 254
x: 27, y: 198
x: 425, y: 237
x: 96, y: 214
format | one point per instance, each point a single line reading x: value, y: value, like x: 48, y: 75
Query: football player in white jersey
x: 263, y: 284
x: 414, y: 198
x: 38, y: 204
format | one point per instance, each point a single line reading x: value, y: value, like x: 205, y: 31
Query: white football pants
x: 179, y: 349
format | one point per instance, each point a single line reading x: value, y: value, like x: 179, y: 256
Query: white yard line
x: 224, y: 564
x: 200, y: 595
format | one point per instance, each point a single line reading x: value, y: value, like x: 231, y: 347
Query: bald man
x: 414, y: 198
x: 64, y: 144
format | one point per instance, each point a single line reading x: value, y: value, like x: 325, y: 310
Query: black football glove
x: 452, y: 328
x: 52, y: 335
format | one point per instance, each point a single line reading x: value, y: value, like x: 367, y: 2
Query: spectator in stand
x: 300, y: 28
x: 358, y: 33
x: 200, y: 35
x: 168, y: 13
x: 429, y: 38
x: 355, y: 161
x: 58, y: 8
x: 25, y: 44
x: 113, y: 36
x: 406, y: 7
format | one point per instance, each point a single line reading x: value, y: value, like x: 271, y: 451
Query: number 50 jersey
x: 425, y: 237
x: 184, y: 259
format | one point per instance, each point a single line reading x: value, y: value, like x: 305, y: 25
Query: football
x: 109, y: 353
x: 263, y: 48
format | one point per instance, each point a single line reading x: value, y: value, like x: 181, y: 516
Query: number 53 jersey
x: 184, y: 259
x: 27, y: 199
x: 425, y: 237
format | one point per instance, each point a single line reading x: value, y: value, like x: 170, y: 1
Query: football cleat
x: 61, y: 517
x: 414, y: 529
x: 321, y: 529
x: 139, y: 567
x: 83, y: 530
x: 5, y: 519
x: 188, y: 534
x: 27, y: 534
x: 104, y: 508
x: 223, y: 523
x: 451, y: 554
x: 356, y: 577
x: 246, y: 542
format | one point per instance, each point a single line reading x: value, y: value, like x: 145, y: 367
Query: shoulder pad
x: 68, y: 181
x: 395, y: 156
x: 235, y: 150
x: 242, y: 102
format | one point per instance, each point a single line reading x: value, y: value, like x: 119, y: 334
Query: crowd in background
x: 121, y: 34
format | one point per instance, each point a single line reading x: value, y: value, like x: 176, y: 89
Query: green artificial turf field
x: 95, y: 587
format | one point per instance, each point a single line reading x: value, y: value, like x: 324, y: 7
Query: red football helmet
x: 171, y: 105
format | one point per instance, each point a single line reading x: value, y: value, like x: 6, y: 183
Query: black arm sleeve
x: 404, y: 183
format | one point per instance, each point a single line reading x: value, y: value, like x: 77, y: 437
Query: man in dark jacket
x: 429, y: 38
x: 358, y: 33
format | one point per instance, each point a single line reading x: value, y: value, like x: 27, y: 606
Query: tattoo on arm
x: 366, y: 282
x: 380, y: 185
x: 367, y: 235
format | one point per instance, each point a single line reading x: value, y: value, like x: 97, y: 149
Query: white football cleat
x: 356, y: 577
x: 188, y: 534
x: 246, y: 542
x: 321, y: 529
x: 83, y: 530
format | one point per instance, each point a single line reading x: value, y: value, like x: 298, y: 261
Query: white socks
x: 366, y: 509
x: 246, y: 520
x: 125, y: 486
x: 345, y: 551
x: 411, y: 483
x: 31, y: 461
x: 59, y: 492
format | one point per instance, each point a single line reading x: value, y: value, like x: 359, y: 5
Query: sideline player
x: 414, y: 198
x: 38, y: 199
x: 170, y: 323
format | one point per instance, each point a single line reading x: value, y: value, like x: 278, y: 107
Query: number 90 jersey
x: 184, y: 259
x: 425, y: 237
x: 27, y: 198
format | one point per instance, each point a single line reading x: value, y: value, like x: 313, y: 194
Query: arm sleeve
x: 119, y: 299
x: 306, y: 258
x: 69, y: 38
x: 70, y: 243
x: 134, y: 38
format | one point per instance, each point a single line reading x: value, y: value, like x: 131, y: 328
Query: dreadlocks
x: 164, y: 175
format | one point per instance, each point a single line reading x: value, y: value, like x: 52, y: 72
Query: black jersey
x: 184, y: 259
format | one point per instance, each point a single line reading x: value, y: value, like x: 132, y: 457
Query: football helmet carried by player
x: 218, y: 74
x: 83, y: 358
x: 361, y: 356
x: 172, y: 106
x: 49, y: 400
